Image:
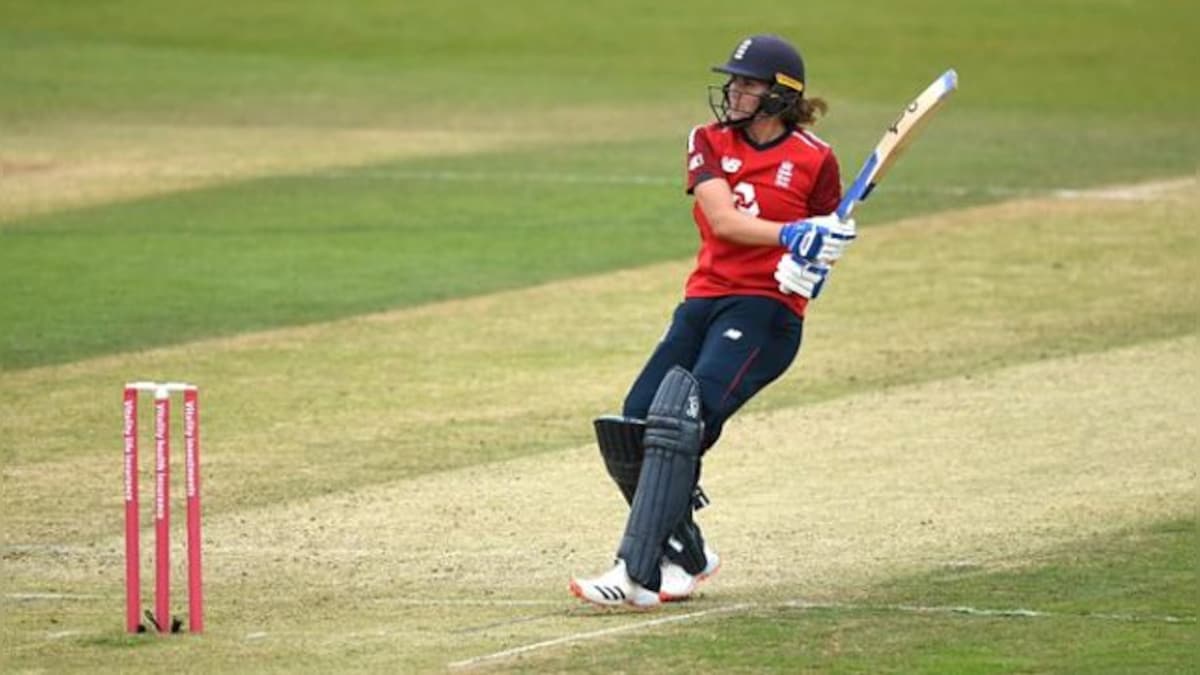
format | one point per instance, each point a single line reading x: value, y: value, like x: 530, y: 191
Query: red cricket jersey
x: 793, y: 177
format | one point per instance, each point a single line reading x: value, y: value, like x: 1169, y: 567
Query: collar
x: 787, y: 131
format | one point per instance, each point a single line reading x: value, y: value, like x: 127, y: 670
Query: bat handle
x: 845, y: 208
x: 843, y: 211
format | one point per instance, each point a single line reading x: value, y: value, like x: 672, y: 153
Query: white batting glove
x: 800, y: 277
x: 841, y: 235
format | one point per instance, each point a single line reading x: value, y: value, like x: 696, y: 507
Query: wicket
x: 162, y: 506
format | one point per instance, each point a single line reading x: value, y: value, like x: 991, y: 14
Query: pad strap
x: 685, y: 546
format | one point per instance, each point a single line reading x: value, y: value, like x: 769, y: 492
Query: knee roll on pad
x: 674, y: 424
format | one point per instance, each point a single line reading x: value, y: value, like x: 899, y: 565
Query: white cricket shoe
x: 614, y: 588
x: 677, y: 584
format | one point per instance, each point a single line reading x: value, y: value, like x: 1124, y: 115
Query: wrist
x: 787, y: 233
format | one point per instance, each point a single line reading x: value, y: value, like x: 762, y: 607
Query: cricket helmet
x: 768, y: 58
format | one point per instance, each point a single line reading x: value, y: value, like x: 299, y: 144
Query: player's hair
x: 804, y: 111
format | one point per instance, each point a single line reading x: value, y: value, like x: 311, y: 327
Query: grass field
x: 408, y: 253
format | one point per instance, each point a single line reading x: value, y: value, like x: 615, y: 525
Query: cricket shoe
x: 614, y: 588
x: 678, y: 584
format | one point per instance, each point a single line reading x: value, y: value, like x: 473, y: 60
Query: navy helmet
x: 768, y: 58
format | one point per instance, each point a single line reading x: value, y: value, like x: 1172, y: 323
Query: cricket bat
x: 898, y: 136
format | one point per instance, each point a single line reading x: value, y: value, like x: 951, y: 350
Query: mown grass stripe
x: 851, y: 608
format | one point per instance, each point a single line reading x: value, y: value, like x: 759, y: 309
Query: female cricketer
x: 763, y: 186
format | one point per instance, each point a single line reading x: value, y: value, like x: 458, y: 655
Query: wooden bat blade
x: 896, y: 139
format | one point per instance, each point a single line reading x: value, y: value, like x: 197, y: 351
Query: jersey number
x: 745, y: 200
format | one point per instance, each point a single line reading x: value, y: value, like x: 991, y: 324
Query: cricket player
x: 763, y: 186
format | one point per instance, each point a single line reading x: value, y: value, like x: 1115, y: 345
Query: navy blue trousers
x: 734, y: 345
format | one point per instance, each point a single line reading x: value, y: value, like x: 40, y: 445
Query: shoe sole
x: 577, y: 591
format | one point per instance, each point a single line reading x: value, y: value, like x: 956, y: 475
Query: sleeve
x: 702, y: 162
x: 827, y: 188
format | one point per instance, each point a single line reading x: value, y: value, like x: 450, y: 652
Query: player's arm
x: 706, y: 181
x: 716, y: 201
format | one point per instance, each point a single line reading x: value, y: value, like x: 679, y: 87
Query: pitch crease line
x: 580, y: 637
x: 50, y: 596
x: 498, y: 602
x: 804, y: 604
x: 1019, y: 612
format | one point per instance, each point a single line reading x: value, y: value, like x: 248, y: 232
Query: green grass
x: 282, y: 251
x: 1106, y: 603
x: 296, y: 249
x: 1066, y: 56
x: 536, y: 364
x: 1143, y: 574
x: 330, y: 576
x: 594, y: 102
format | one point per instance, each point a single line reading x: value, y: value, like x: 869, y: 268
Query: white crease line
x: 975, y: 611
x: 54, y: 549
x: 499, y: 602
x: 806, y: 605
x: 579, y: 637
x: 50, y: 596
x: 51, y: 637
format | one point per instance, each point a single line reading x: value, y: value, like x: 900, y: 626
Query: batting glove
x: 800, y: 277
x: 841, y: 235
x: 803, y: 238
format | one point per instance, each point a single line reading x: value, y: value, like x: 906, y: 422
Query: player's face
x: 743, y: 95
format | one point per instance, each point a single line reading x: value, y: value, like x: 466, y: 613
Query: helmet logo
x: 789, y: 82
x: 741, y: 49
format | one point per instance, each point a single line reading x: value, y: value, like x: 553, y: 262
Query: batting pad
x: 674, y: 428
x: 620, y: 441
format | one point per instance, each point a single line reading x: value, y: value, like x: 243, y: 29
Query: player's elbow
x: 724, y: 224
